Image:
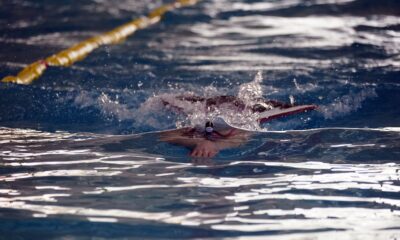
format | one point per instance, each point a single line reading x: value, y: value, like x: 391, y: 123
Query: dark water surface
x: 80, y: 157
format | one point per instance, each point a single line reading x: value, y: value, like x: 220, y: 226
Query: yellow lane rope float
x: 81, y: 50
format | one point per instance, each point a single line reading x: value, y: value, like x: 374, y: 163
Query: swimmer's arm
x: 208, y: 149
x: 202, y: 147
x: 177, y: 137
x: 238, y: 139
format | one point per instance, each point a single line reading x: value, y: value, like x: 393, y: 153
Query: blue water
x: 80, y: 152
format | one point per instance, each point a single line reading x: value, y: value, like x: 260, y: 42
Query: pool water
x: 80, y: 152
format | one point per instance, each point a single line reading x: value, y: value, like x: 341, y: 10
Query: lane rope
x: 80, y: 50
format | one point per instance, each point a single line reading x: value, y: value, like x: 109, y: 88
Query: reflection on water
x: 107, y: 179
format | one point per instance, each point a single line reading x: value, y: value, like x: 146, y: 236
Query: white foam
x: 346, y: 104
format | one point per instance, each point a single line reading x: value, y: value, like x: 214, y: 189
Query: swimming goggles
x: 212, y: 135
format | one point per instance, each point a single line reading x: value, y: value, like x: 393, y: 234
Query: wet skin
x: 200, y: 146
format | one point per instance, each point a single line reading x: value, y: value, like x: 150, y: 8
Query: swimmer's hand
x: 205, y: 149
x: 201, y: 147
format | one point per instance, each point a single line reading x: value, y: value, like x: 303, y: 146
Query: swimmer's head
x: 209, y: 130
x: 209, y: 127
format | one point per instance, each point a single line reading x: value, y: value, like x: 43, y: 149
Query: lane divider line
x: 80, y: 50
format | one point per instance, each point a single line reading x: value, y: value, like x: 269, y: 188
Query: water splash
x: 249, y: 92
x: 192, y: 113
x: 170, y: 107
x: 347, y: 103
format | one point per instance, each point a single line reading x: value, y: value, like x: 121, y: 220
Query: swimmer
x: 206, y: 141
